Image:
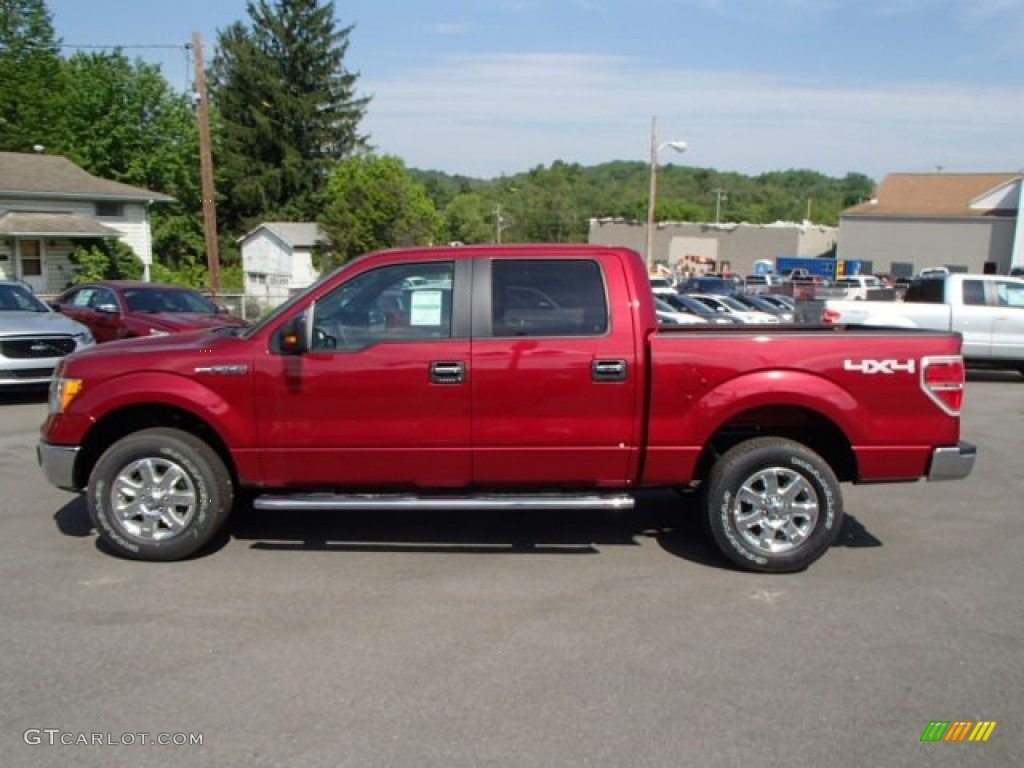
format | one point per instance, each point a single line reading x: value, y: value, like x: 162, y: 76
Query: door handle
x: 609, y: 370
x: 448, y: 372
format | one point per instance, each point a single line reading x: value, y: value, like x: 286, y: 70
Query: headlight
x: 84, y: 339
x: 62, y: 391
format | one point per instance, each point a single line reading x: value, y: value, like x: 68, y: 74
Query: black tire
x: 172, y: 489
x: 773, y: 505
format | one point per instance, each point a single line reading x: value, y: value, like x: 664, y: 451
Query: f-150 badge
x: 887, y: 367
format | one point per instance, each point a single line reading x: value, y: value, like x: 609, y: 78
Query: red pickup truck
x: 522, y: 377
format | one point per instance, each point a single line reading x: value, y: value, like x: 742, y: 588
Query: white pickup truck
x: 987, y: 310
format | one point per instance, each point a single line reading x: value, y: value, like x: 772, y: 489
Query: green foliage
x: 287, y: 110
x: 124, y: 122
x: 108, y: 259
x: 30, y: 76
x: 556, y: 204
x: 467, y: 219
x: 372, y: 202
x: 90, y: 264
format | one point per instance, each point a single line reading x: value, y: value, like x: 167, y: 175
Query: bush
x: 106, y: 260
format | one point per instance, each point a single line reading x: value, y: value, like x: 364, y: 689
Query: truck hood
x: 155, y: 352
x: 179, y: 322
x: 25, y: 323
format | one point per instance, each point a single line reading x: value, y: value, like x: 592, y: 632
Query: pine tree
x: 30, y: 76
x: 287, y: 109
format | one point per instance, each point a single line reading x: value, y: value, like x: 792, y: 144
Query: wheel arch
x: 127, y: 419
x: 797, y: 423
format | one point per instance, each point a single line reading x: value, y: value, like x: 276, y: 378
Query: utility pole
x: 719, y: 197
x: 206, y: 167
x: 499, y: 223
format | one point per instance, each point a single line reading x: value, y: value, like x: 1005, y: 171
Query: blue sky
x: 493, y: 87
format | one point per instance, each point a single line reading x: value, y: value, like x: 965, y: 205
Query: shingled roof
x: 37, y: 175
x: 295, y: 234
x: 936, y: 195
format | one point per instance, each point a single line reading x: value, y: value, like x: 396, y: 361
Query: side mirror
x: 107, y: 309
x: 297, y: 333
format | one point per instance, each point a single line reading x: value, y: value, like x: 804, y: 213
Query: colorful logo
x: 958, y: 730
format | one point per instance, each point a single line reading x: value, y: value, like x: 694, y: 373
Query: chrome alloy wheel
x: 153, y: 499
x: 775, y: 510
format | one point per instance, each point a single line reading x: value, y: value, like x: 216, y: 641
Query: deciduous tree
x: 372, y: 202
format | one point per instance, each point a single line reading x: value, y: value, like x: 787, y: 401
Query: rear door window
x: 536, y: 297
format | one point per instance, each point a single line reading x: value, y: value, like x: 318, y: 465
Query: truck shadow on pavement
x: 671, y: 520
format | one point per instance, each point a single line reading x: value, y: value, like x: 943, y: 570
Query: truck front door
x: 556, y: 386
x: 382, y: 399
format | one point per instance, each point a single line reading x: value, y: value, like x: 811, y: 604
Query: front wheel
x: 773, y: 505
x: 159, y: 494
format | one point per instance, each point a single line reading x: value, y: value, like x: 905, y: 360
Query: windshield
x: 154, y: 300
x: 15, y: 298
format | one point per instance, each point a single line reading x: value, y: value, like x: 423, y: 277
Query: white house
x: 48, y: 205
x: 277, y: 259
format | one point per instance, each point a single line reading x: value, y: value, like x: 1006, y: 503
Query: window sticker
x: 426, y: 308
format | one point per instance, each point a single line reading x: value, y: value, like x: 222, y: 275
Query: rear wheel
x: 159, y: 494
x: 773, y: 505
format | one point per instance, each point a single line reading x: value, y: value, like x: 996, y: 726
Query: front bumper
x: 952, y: 463
x: 58, y: 463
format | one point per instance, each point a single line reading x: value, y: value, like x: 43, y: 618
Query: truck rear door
x: 556, y: 381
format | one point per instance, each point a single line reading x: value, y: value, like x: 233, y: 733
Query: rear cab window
x: 540, y: 297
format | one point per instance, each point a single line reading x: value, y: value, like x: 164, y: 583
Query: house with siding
x: 49, y: 205
x: 278, y: 259
x: 968, y: 222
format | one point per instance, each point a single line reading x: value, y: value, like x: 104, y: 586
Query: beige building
x: 967, y: 222
x: 697, y: 248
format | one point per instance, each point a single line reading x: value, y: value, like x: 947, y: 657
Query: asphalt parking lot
x: 577, y: 639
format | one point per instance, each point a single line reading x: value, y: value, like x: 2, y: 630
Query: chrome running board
x: 369, y: 501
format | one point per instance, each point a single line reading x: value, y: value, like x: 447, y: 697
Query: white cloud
x: 489, y: 115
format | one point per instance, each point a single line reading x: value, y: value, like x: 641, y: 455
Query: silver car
x: 33, y: 338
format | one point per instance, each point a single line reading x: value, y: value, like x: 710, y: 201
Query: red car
x: 123, y: 309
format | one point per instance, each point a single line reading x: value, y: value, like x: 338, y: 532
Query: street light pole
x: 719, y: 197
x: 652, y: 195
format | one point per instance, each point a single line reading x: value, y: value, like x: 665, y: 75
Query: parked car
x: 711, y: 284
x: 683, y: 302
x: 669, y: 315
x: 858, y: 286
x: 33, y: 338
x: 729, y: 305
x: 988, y: 310
x: 760, y: 303
x: 123, y: 309
x: 760, y: 283
x: 780, y: 300
x: 585, y: 404
x: 662, y: 286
